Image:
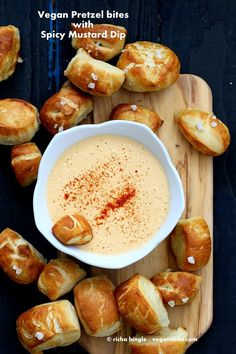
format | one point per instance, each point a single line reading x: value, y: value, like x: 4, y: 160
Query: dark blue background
x: 203, y: 34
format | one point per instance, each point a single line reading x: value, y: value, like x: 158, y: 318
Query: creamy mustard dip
x: 117, y: 185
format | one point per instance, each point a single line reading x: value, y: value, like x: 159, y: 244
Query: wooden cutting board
x: 196, y: 171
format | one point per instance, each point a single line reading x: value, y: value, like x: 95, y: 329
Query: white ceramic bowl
x: 141, y: 134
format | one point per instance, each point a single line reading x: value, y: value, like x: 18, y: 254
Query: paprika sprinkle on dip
x: 118, y: 202
x: 117, y: 184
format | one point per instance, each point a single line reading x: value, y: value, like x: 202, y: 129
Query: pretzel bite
x: 25, y: 161
x: 191, y: 243
x: 47, y: 326
x: 18, y: 121
x: 96, y: 307
x: 59, y: 277
x: 167, y: 341
x: 65, y: 109
x: 177, y: 288
x: 94, y: 76
x: 72, y: 230
x: 148, y: 66
x: 19, y: 259
x: 9, y: 50
x: 137, y: 113
x: 204, y: 131
x: 100, y: 48
x: 140, y: 303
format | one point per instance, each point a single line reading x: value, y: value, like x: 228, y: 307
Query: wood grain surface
x: 203, y: 34
x: 196, y: 171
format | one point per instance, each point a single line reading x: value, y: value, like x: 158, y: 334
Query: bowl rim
x: 119, y: 260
